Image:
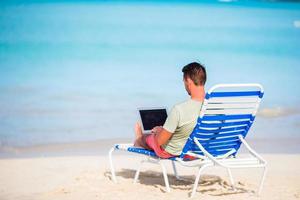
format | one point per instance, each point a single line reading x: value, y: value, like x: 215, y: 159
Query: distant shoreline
x: 101, y: 147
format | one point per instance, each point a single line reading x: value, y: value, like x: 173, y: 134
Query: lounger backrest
x: 227, y: 112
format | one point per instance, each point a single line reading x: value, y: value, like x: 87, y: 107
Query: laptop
x: 151, y: 117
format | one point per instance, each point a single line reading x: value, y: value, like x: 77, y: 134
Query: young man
x: 168, y: 141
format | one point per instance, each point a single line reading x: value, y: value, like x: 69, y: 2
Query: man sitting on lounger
x: 168, y: 140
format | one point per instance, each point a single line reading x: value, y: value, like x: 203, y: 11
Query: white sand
x: 88, y: 177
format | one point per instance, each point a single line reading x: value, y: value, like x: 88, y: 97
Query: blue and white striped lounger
x: 226, y: 116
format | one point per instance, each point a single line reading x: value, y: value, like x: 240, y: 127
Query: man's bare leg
x: 140, y: 138
x: 138, y: 131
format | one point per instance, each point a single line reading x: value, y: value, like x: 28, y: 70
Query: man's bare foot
x: 138, y: 131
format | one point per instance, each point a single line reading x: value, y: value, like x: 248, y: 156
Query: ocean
x: 76, y: 71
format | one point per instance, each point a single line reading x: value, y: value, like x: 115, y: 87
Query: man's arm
x: 163, y: 136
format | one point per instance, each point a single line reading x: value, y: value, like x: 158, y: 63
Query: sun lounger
x: 226, y: 116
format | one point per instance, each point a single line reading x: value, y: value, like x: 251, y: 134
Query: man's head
x: 194, y: 74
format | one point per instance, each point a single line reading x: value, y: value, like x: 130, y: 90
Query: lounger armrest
x: 251, y: 151
x: 208, y: 155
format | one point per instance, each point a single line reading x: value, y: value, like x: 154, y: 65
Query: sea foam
x: 297, y: 23
x: 277, y: 112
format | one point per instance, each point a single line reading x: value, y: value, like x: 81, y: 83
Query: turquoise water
x: 77, y: 71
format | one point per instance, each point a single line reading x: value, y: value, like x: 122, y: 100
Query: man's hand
x: 157, y: 129
x: 163, y: 136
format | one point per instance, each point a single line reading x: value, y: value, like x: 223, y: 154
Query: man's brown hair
x: 196, y: 72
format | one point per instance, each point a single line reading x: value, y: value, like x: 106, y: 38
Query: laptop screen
x: 153, y: 117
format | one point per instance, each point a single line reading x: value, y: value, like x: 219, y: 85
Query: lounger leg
x: 231, y: 179
x: 137, y: 173
x: 175, y: 170
x: 165, y: 176
x: 112, y: 169
x: 197, y: 179
x: 262, y: 180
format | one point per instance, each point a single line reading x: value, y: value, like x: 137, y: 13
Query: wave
x: 227, y: 1
x: 277, y: 112
x: 297, y: 23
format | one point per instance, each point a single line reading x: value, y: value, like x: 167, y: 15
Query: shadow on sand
x: 209, y: 184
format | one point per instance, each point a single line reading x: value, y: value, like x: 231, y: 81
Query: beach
x: 88, y: 177
x: 55, y: 172
x: 73, y: 74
